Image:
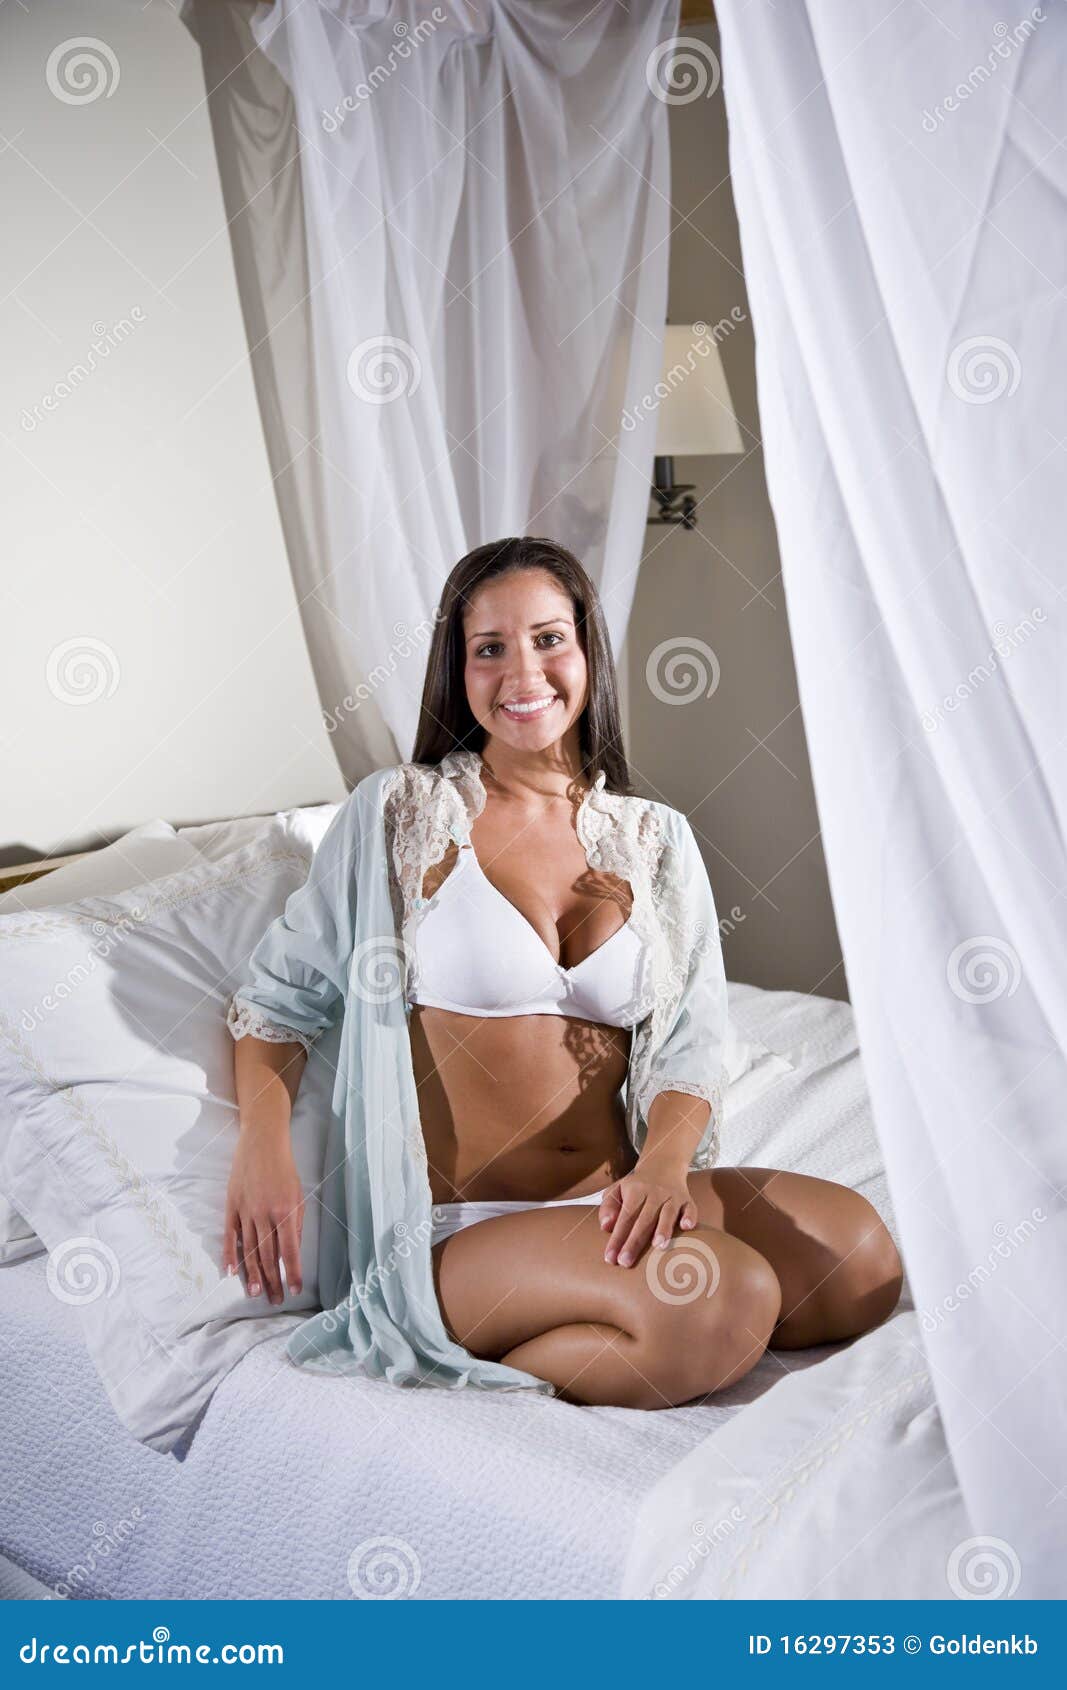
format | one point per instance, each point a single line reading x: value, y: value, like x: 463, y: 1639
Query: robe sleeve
x: 296, y: 979
x: 691, y: 1057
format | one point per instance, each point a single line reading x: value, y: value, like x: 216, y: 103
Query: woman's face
x: 526, y: 674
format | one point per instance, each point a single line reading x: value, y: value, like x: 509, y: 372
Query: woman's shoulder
x: 407, y: 779
x: 668, y: 817
x: 373, y: 784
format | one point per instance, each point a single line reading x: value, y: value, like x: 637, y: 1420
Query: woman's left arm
x: 681, y: 1101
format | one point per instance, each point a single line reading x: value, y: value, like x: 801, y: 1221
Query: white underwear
x: 452, y: 1217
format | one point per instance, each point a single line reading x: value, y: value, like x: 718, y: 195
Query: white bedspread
x: 288, y: 1473
x: 836, y: 1484
x: 290, y: 1476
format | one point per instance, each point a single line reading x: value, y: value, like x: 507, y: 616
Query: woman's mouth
x: 527, y: 709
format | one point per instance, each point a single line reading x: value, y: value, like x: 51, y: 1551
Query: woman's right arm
x: 264, y: 1199
x: 296, y: 983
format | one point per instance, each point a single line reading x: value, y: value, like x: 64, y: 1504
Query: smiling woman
x: 531, y: 938
x: 557, y: 941
x: 532, y: 978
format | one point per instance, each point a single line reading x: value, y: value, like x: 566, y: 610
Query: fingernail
x: 253, y: 1289
x: 296, y: 1288
x: 609, y: 1255
x: 661, y: 1243
x: 230, y: 1270
x: 625, y: 1259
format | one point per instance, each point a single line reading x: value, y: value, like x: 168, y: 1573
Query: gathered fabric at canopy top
x: 450, y: 225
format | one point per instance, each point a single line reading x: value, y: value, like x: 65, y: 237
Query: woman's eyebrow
x: 494, y: 633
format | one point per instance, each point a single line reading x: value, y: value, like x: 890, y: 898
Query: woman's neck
x: 534, y: 776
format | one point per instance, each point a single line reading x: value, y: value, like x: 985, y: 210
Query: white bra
x: 479, y: 955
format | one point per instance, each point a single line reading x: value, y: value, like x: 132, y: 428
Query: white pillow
x: 119, y: 1123
x: 142, y: 854
x: 217, y: 839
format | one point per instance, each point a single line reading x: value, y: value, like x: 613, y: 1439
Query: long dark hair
x: 446, y: 722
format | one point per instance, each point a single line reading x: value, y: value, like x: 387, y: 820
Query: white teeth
x: 533, y: 708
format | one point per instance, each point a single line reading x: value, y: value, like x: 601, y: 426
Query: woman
x: 555, y: 937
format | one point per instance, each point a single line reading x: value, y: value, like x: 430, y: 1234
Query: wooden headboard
x: 20, y: 874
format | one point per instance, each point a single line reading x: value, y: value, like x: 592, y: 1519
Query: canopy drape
x: 450, y: 225
x: 900, y: 189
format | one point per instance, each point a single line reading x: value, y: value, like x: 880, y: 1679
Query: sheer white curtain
x: 900, y: 189
x: 450, y: 225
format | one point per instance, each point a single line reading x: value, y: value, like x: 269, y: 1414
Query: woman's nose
x: 527, y: 667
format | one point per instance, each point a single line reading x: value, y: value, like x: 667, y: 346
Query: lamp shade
x: 696, y: 414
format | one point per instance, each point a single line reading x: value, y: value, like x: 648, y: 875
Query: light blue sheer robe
x: 338, y: 955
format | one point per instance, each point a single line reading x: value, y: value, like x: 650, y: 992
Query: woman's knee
x: 860, y: 1291
x: 714, y: 1303
x: 865, y: 1288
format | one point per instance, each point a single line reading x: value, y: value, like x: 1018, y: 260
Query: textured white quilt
x: 293, y: 1484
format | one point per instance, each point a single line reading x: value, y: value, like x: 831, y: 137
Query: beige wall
x: 735, y: 762
x: 139, y: 520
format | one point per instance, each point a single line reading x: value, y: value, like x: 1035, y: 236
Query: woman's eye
x: 492, y: 647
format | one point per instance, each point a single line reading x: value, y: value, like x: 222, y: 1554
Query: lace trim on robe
x: 243, y: 1019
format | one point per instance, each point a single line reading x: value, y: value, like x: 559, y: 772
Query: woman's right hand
x: 264, y: 1212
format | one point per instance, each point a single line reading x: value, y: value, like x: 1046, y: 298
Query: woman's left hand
x: 646, y: 1204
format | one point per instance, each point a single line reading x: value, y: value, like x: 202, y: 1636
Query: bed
x: 291, y: 1484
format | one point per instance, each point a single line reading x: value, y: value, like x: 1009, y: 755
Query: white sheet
x: 514, y: 1497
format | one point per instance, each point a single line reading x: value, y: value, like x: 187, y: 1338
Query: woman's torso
x: 525, y: 1105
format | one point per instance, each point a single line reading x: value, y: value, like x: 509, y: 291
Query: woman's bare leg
x: 831, y: 1252
x: 533, y: 1290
